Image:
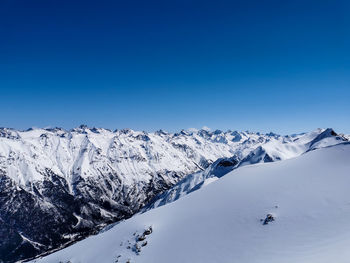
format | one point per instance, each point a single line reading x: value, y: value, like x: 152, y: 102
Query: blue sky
x: 281, y: 66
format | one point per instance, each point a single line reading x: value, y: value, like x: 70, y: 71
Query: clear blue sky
x: 280, y: 66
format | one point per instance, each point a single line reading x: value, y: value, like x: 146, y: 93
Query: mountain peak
x: 328, y: 135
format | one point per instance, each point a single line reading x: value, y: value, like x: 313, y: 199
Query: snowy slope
x: 194, y: 182
x: 59, y: 186
x: 308, y: 196
x: 270, y: 151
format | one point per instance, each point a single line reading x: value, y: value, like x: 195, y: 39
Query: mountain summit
x: 60, y: 186
x: 295, y: 210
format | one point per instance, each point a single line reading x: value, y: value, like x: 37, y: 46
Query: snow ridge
x: 73, y: 183
x: 294, y: 210
x: 268, y: 152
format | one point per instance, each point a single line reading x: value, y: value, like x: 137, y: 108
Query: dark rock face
x: 226, y: 163
x: 34, y: 222
x: 257, y: 156
x: 49, y: 216
x: 326, y: 134
x: 58, y: 186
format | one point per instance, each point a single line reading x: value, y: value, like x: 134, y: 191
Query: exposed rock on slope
x: 272, y: 150
x: 295, y: 210
x: 58, y: 186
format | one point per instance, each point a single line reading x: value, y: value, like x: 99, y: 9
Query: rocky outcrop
x: 59, y: 186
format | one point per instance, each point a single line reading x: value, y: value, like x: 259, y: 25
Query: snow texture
x: 58, y: 186
x: 307, y: 197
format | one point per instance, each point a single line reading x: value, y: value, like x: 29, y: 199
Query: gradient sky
x: 281, y: 66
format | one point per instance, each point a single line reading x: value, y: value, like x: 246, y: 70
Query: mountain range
x: 58, y: 187
x: 295, y: 210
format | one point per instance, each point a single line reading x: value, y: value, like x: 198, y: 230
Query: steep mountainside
x: 269, y: 152
x: 59, y: 186
x: 295, y: 210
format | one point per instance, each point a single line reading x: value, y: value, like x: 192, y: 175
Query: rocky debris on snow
x: 134, y: 244
x: 269, y: 218
x: 141, y: 238
x: 137, y: 248
x: 76, y: 182
x: 148, y: 231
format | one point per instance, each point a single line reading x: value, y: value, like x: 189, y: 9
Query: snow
x: 308, y: 196
x: 133, y: 155
x: 272, y: 150
x: 35, y: 244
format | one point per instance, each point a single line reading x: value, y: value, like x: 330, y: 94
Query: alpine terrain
x: 58, y: 187
x: 295, y: 210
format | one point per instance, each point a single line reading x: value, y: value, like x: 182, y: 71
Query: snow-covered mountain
x: 268, y: 152
x: 58, y: 186
x: 295, y: 210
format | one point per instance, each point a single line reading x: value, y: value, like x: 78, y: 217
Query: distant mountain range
x: 58, y: 186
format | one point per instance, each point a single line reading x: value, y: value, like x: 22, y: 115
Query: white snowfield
x: 73, y: 183
x: 272, y: 150
x: 135, y: 156
x: 308, y: 197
